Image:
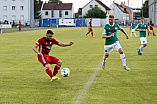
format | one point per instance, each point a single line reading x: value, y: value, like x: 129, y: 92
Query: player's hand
x: 40, y: 54
x: 112, y: 35
x: 71, y: 43
x: 127, y: 37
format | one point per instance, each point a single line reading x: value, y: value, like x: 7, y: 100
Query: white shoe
x: 126, y: 68
x: 103, y: 65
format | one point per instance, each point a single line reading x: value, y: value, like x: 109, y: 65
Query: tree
x: 37, y: 12
x: 54, y: 1
x: 95, y: 13
x: 145, y: 9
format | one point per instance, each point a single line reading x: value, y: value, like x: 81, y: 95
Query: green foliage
x: 23, y: 79
x: 95, y: 12
x: 145, y: 9
x: 55, y: 1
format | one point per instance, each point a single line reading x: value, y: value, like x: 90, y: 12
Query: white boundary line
x: 79, y: 97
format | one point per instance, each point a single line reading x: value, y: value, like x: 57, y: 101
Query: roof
x: 80, y: 11
x: 56, y: 6
x: 102, y: 4
x: 122, y: 9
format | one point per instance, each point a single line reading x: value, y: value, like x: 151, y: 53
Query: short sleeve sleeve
x: 137, y: 26
x: 39, y: 42
x: 104, y: 30
x: 55, y: 41
x: 118, y: 27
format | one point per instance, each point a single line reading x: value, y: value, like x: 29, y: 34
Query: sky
x: 81, y: 3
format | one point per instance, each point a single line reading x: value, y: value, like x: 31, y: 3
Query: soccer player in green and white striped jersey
x: 110, y: 34
x: 132, y: 27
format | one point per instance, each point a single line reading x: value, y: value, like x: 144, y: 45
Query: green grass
x: 23, y: 79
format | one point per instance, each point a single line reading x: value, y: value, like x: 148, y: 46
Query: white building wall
x: 17, y: 14
x: 153, y: 11
x: 56, y: 14
x: 93, y: 3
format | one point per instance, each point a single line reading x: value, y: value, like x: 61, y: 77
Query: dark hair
x: 49, y: 32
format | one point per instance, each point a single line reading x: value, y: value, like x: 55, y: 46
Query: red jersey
x: 45, y: 45
x: 150, y: 22
x: 90, y: 24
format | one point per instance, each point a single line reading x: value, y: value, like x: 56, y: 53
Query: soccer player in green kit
x: 141, y: 27
x: 133, y: 28
x: 110, y: 34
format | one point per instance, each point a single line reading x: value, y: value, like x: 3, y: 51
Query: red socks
x: 49, y: 72
x: 57, y: 67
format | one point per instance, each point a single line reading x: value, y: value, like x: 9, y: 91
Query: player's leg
x: 134, y: 32
x: 92, y: 32
x: 131, y: 34
x: 153, y: 32
x: 108, y: 49
x: 143, y: 44
x: 44, y: 59
x: 122, y: 55
x: 58, y: 63
x: 87, y: 33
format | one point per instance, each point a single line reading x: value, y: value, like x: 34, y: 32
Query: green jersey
x: 108, y: 30
x: 143, y: 27
x: 133, y: 25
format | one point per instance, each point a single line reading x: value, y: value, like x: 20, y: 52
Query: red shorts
x: 90, y: 29
x: 151, y: 28
x: 46, y: 59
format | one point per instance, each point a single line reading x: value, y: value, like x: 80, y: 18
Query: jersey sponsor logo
x: 112, y: 31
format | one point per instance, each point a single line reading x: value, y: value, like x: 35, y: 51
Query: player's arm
x: 124, y: 32
x: 35, y: 49
x: 104, y: 34
x: 64, y: 45
x: 137, y: 28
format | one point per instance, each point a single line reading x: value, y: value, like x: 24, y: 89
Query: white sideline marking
x: 79, y: 97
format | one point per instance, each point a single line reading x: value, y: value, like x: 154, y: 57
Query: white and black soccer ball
x: 65, y: 72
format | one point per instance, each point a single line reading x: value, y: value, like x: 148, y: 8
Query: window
x: 46, y: 13
x: 156, y: 7
x: 91, y: 6
x: 13, y: 7
x: 13, y: 0
x: 22, y: 17
x: 152, y: 9
x: 21, y: 7
x: 5, y: 17
x: 52, y: 13
x: 4, y: 8
x: 66, y: 12
x: 13, y: 17
x: 96, y: 5
x: 60, y: 13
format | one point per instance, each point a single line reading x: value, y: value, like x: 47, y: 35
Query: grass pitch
x: 23, y: 79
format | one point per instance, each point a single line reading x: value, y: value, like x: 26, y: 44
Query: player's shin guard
x: 49, y: 72
x: 56, y: 69
x: 122, y: 56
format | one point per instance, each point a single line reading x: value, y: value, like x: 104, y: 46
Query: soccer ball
x: 65, y: 72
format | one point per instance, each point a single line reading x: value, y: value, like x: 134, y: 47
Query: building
x: 15, y: 10
x: 58, y: 10
x: 136, y: 13
x: 153, y: 11
x: 92, y: 4
x: 128, y: 9
x: 120, y: 13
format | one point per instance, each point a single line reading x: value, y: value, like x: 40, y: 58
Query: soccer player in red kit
x: 151, y: 27
x: 90, y: 29
x: 45, y: 45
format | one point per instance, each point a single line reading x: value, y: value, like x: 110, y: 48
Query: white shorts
x: 115, y: 46
x: 143, y: 40
x: 133, y: 30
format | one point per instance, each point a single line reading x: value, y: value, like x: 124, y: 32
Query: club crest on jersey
x: 116, y: 28
x: 50, y: 43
